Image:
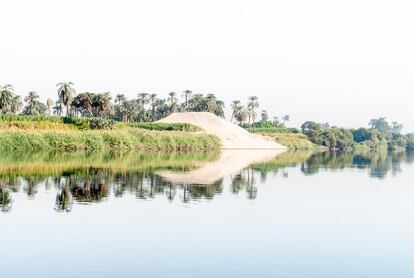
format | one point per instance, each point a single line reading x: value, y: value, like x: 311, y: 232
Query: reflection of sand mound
x: 231, y: 135
x: 230, y: 162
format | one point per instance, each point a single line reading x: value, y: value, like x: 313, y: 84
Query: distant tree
x: 143, y: 100
x: 187, y: 96
x: 49, y: 104
x: 57, y: 108
x: 252, y: 105
x: 396, y: 127
x: 153, y: 102
x: 34, y: 106
x: 380, y: 124
x: 265, y: 116
x: 285, y: 118
x: 172, y: 99
x: 235, y: 107
x: 16, y: 104
x: 66, y: 93
x: 6, y: 97
x: 242, y: 115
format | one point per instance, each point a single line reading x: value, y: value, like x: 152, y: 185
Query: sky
x: 342, y: 62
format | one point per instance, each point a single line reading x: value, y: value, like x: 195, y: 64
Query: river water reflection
x: 230, y: 214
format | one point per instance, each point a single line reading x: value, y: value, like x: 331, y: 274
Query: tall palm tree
x: 16, y: 104
x: 6, y: 97
x: 66, y: 93
x: 34, y: 106
x: 143, y: 100
x: 172, y: 98
x: 49, y: 105
x: 196, y: 103
x: 211, y: 103
x: 285, y: 119
x: 153, y: 101
x: 57, y: 109
x: 235, y: 107
x: 252, y: 105
x: 187, y: 95
x: 31, y: 99
x: 242, y: 115
x: 120, y: 105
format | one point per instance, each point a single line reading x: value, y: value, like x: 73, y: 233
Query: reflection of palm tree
x: 5, y: 200
x: 64, y: 200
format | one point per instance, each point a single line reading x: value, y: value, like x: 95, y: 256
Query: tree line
x: 380, y: 135
x: 146, y: 107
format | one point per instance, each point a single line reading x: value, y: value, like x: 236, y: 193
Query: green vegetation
x: 33, y: 133
x: 115, y: 140
x: 293, y: 141
x: 165, y: 126
x: 381, y: 136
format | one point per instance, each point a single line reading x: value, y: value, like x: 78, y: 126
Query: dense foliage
x: 381, y: 135
x: 145, y: 108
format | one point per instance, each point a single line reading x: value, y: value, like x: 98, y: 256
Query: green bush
x: 100, y: 123
x: 165, y: 126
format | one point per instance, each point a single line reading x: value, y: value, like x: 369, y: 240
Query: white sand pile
x: 231, y: 135
x: 230, y: 162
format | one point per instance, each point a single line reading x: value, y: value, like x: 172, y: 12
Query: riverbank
x: 22, y: 133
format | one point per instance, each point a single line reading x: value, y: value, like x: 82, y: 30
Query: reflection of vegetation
x: 378, y: 163
x: 5, y: 200
x: 286, y: 159
x: 136, y: 175
x: 56, y: 164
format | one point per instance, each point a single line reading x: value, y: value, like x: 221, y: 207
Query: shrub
x: 165, y: 126
x: 100, y: 123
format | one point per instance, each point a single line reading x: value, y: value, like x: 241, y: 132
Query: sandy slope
x: 231, y: 135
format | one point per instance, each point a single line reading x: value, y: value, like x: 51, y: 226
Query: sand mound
x: 231, y: 135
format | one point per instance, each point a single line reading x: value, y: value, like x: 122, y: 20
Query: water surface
x: 154, y: 215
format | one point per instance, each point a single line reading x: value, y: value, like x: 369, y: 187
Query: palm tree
x: 66, y: 92
x: 265, y: 116
x: 120, y: 105
x: 57, y: 109
x: 173, y: 101
x: 285, y: 118
x: 143, y: 100
x: 34, y: 106
x: 49, y: 105
x: 187, y: 95
x: 196, y: 103
x: 31, y: 99
x: 235, y: 107
x: 242, y: 115
x: 211, y: 103
x: 153, y: 100
x: 16, y: 104
x: 251, y: 106
x: 6, y: 97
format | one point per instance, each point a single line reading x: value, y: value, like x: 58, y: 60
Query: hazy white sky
x: 338, y: 61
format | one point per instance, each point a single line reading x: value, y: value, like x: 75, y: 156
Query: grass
x: 293, y: 141
x: 118, y: 140
x: 165, y: 126
x: 272, y: 130
x: 52, y: 133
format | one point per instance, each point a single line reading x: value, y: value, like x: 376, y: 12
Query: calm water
x: 183, y: 215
